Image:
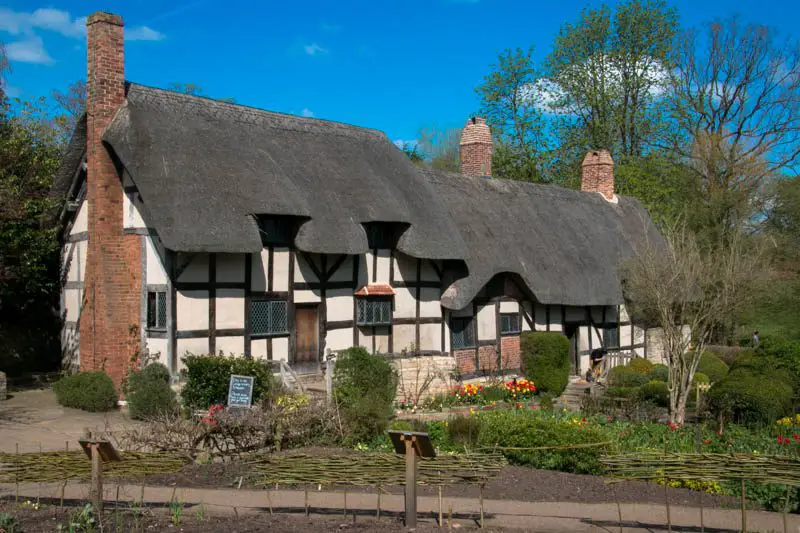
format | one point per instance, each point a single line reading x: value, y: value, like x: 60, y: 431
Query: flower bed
x: 515, y: 393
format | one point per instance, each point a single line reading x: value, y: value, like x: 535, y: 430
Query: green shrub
x: 699, y: 377
x: 529, y: 429
x: 89, y: 391
x: 784, y: 350
x: 659, y: 373
x: 655, y: 392
x: 625, y: 376
x: 464, y: 430
x: 494, y: 393
x: 640, y: 365
x: 364, y: 386
x: 208, y: 378
x: 712, y: 366
x: 545, y: 359
x: 149, y: 394
x: 751, y: 398
x: 622, y: 392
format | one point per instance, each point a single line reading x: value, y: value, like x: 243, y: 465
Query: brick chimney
x: 110, y: 317
x: 476, y: 148
x: 597, y: 173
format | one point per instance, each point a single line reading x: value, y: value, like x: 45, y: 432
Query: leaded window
x: 268, y: 317
x: 156, y: 310
x: 374, y: 311
x: 611, y: 337
x: 462, y: 332
x: 509, y: 323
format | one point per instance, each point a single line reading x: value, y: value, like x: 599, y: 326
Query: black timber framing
x: 356, y: 261
x: 322, y: 315
x: 290, y: 320
x: 212, y: 303
x: 173, y: 309
x: 203, y: 333
x: 391, y: 284
x: 416, y: 284
x: 499, y: 362
x: 418, y: 296
x: 475, y: 333
x: 248, y: 289
x: 318, y: 286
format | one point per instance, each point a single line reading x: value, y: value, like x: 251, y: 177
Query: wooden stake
x: 63, y: 488
x: 619, y: 508
x: 39, y: 485
x: 269, y: 503
x: 666, y: 491
x: 306, y: 493
x: 16, y: 474
x: 450, y: 517
x: 141, y: 495
x: 378, y: 512
x: 744, y: 510
x: 97, y: 478
x: 702, y: 522
x: 441, y: 521
x: 786, y: 510
x: 481, y: 494
x: 345, y: 503
x: 411, y: 484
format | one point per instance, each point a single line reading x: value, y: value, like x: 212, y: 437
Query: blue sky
x: 388, y: 64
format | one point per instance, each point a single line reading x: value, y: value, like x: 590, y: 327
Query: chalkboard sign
x: 240, y: 391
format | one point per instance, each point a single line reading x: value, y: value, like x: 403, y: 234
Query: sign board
x: 107, y: 451
x: 421, y: 442
x: 240, y: 391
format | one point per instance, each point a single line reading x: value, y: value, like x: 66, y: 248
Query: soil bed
x: 513, y: 483
x: 47, y: 519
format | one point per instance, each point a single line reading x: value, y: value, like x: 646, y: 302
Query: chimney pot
x: 597, y: 173
x: 476, y: 148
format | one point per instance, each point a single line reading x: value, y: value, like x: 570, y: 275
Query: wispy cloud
x: 314, y: 49
x: 11, y: 91
x: 29, y: 50
x: 400, y: 143
x: 330, y: 28
x: 306, y: 112
x: 143, y: 33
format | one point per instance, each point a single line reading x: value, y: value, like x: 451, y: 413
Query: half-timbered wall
x: 73, y: 269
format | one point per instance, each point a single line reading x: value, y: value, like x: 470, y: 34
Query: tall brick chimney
x: 476, y: 148
x: 597, y: 173
x: 110, y: 316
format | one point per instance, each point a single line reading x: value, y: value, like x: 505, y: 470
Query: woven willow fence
x: 373, y: 469
x: 44, y: 467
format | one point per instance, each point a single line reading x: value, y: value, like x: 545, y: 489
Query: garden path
x: 554, y: 517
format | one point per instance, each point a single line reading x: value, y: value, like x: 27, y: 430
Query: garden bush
x: 547, y: 401
x: 529, y: 429
x: 659, y: 373
x: 640, y: 365
x: 656, y: 392
x: 364, y: 387
x: 712, y: 366
x: 625, y: 376
x: 751, y: 398
x: 149, y: 394
x: 208, y: 378
x: 464, y: 430
x: 89, y: 391
x: 622, y: 392
x: 699, y: 377
x: 545, y: 359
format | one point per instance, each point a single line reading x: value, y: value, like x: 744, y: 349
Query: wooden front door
x: 571, y: 332
x: 306, y: 351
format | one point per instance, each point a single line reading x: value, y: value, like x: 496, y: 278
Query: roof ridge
x: 256, y: 112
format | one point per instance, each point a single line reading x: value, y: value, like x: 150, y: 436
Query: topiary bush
x: 659, y: 373
x: 622, y: 392
x: 712, y: 366
x: 640, y: 365
x: 751, y: 398
x: 699, y: 377
x: 89, y: 391
x: 364, y: 388
x: 625, y: 376
x: 545, y: 360
x: 208, y: 378
x: 655, y: 392
x: 149, y: 394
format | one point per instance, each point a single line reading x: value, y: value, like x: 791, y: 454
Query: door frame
x: 305, y: 367
x: 573, y: 328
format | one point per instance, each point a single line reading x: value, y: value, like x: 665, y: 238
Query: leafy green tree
x: 71, y: 105
x: 413, y: 153
x: 441, y: 147
x: 607, y: 74
x: 514, y: 116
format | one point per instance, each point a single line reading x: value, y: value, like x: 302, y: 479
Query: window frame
x: 364, y: 300
x: 514, y: 332
x: 153, y: 302
x: 615, y: 328
x: 256, y: 299
x: 469, y: 326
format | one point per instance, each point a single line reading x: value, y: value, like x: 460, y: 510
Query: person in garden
x: 596, y: 359
x: 755, y: 339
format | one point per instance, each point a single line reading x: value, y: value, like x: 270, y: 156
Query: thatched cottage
x: 195, y: 225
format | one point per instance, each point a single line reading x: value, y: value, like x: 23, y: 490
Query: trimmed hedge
x: 625, y: 376
x: 208, y: 378
x: 149, y: 394
x: 751, y: 398
x: 364, y: 386
x: 656, y: 392
x: 545, y: 360
x: 640, y: 365
x: 89, y: 391
x: 712, y: 366
x: 659, y: 373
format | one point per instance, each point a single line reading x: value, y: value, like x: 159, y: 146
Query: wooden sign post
x: 411, y: 444
x: 240, y: 391
x: 99, y: 451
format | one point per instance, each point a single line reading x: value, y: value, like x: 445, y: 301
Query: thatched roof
x: 565, y: 245
x: 205, y: 168
x: 73, y: 156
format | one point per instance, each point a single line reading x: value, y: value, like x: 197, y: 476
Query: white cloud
x: 29, y: 50
x: 12, y: 92
x: 314, y: 49
x: 143, y: 33
x: 306, y: 112
x: 400, y: 143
